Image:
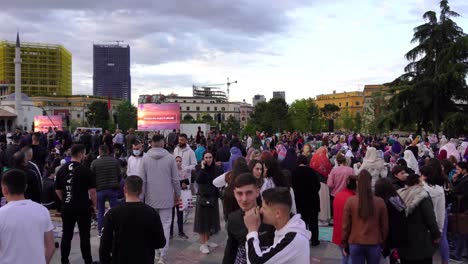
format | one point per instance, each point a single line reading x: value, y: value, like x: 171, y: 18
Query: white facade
x: 198, y: 107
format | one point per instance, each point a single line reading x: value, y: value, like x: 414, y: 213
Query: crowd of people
x: 389, y: 199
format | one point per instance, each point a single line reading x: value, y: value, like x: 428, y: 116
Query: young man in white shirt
x: 291, y: 242
x: 25, y: 226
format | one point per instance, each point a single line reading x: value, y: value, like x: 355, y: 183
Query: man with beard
x: 189, y: 160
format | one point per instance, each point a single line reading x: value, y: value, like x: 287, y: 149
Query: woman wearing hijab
x: 235, y: 153
x: 411, y: 161
x: 322, y: 165
x: 373, y: 164
x: 289, y: 162
x: 306, y: 186
x: 423, y: 234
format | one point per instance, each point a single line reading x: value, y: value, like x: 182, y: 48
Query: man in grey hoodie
x: 161, y: 185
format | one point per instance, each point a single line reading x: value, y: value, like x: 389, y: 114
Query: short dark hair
x: 463, y: 165
x: 397, y: 169
x: 104, y: 149
x: 134, y: 184
x: 157, y: 138
x: 36, y: 136
x: 244, y: 179
x: 278, y: 195
x: 413, y: 179
x: 77, y: 149
x: 18, y: 159
x: 183, y: 135
x: 15, y: 181
x: 137, y: 142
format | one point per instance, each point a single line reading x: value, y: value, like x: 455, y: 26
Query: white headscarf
x: 451, y: 149
x: 443, y: 141
x: 373, y: 164
x: 411, y: 161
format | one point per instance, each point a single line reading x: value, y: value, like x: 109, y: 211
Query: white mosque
x: 17, y: 110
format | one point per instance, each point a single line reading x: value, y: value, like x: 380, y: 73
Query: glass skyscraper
x: 111, y: 71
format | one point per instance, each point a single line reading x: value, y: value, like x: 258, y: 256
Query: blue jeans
x: 444, y: 246
x: 360, y: 254
x: 103, y: 195
x: 344, y: 259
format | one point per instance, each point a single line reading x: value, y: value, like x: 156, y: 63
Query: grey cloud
x: 157, y: 31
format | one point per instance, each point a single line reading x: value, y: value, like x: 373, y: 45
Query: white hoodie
x: 189, y: 161
x: 438, y: 200
x: 291, y: 245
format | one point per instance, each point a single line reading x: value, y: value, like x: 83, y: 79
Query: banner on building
x: 153, y: 117
x: 42, y: 123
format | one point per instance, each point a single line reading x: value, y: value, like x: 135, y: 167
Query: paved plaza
x: 187, y: 251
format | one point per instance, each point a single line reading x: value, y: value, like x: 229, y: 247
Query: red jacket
x: 338, y: 208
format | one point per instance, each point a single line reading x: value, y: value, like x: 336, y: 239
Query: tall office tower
x: 111, y: 71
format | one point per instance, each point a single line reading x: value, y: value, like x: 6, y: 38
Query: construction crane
x: 213, y: 86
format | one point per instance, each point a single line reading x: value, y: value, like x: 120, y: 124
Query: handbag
x: 207, y: 201
x: 458, y: 222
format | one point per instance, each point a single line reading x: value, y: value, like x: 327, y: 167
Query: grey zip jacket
x: 160, y: 178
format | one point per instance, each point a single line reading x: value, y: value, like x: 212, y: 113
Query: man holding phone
x: 291, y: 242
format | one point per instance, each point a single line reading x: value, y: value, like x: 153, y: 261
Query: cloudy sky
x: 303, y: 47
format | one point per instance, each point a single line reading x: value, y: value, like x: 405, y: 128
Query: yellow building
x: 353, y: 101
x: 46, y: 70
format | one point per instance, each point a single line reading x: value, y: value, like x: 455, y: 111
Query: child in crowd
x: 184, y: 175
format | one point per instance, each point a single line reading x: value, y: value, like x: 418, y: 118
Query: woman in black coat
x: 423, y: 235
x: 306, y: 186
x: 207, y: 209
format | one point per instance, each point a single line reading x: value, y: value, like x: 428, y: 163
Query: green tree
x: 207, y: 118
x: 98, y: 115
x: 126, y: 115
x: 188, y: 118
x: 357, y: 122
x: 232, y: 124
x: 305, y: 115
x: 346, y: 120
x: 330, y: 112
x: 272, y: 116
x: 436, y: 74
x: 373, y: 112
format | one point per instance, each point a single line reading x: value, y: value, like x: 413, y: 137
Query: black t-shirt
x: 75, y: 180
x: 131, y: 239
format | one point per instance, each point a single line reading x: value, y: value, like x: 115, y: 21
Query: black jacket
x: 421, y: 228
x: 237, y: 232
x: 131, y: 239
x: 306, y: 186
x: 460, y: 195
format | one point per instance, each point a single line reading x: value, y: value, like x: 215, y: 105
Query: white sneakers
x: 212, y: 245
x: 204, y: 249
